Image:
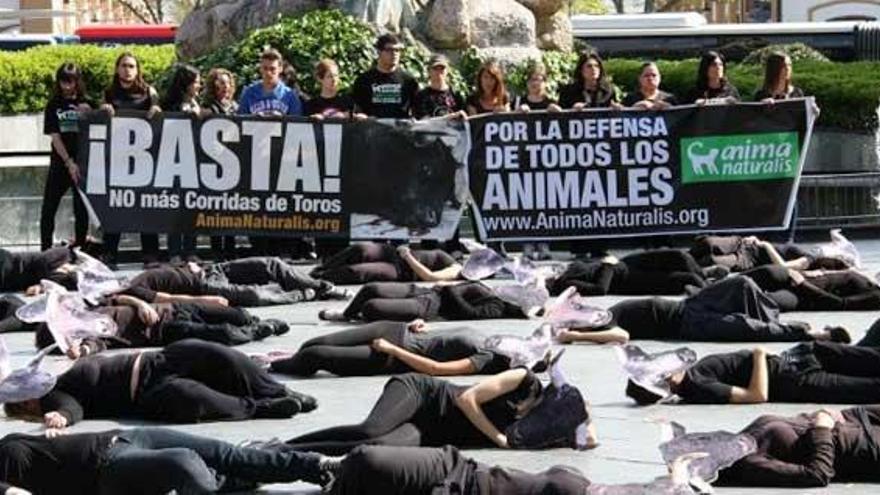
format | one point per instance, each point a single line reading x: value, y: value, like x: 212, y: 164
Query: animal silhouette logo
x: 701, y: 159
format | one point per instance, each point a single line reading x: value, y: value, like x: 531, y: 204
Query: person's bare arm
x: 614, y: 335
x: 165, y: 297
x: 772, y: 253
x: 451, y: 272
x: 470, y: 401
x: 758, y: 390
x: 424, y: 364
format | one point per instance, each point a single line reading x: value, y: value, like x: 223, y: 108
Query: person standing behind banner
x: 438, y: 99
x: 589, y: 88
x: 182, y: 96
x: 129, y: 91
x: 712, y: 86
x: 536, y: 98
x: 490, y: 97
x: 220, y: 100
x: 61, y: 123
x: 648, y: 95
x: 777, y: 86
x: 268, y: 97
x: 386, y: 91
x: 330, y: 104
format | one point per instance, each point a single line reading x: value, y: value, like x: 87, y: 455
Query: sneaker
x: 336, y: 293
x: 332, y: 315
x: 307, y: 402
x: 278, y: 327
x: 839, y: 334
x: 280, y: 408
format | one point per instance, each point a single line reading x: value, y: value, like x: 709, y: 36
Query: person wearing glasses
x: 386, y: 91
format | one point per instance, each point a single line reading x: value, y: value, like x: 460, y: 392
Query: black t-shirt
x: 474, y: 301
x: 62, y: 117
x: 649, y: 318
x: 454, y: 344
x: 121, y: 99
x: 18, y: 271
x: 711, y: 379
x: 726, y: 90
x: 385, y: 95
x: 533, y: 105
x: 173, y: 280
x: 474, y: 101
x: 795, y: 92
x: 340, y: 105
x: 593, y: 278
x: 637, y: 96
x: 430, y: 102
x: 68, y: 464
x: 601, y: 97
x: 94, y: 387
x: 558, y: 480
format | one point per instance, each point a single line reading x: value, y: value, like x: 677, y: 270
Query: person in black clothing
x: 386, y: 90
x: 810, y: 450
x: 23, y: 271
x: 712, y: 86
x: 823, y: 372
x: 744, y: 253
x: 390, y: 347
x: 140, y: 324
x: 61, y: 123
x: 256, y: 281
x: 733, y: 310
x: 648, y: 95
x: 777, y: 80
x: 437, y: 99
x: 657, y: 271
x: 220, y: 100
x: 536, y: 97
x: 590, y: 86
x: 419, y: 410
x: 819, y: 290
x: 145, y: 461
x: 330, y: 103
x: 182, y: 96
x: 491, y: 95
x: 379, y: 262
x: 405, y: 302
x: 188, y: 381
x: 129, y: 91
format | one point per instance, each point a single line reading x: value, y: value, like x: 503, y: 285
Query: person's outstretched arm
x: 758, y: 390
x: 615, y: 335
x: 425, y: 274
x: 470, y: 401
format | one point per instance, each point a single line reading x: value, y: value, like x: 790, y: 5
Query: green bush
x: 798, y: 52
x: 26, y: 76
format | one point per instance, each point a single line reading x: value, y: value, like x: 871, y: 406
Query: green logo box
x: 739, y: 157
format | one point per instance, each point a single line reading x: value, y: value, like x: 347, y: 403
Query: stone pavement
x: 628, y: 450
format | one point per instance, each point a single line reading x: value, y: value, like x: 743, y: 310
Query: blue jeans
x: 158, y: 460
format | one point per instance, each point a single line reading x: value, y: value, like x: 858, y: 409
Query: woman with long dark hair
x: 183, y: 96
x: 712, y: 85
x: 129, y: 91
x: 777, y: 80
x: 61, y: 123
x: 220, y: 100
x: 590, y: 86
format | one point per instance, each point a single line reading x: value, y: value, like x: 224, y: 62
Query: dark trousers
x: 345, y: 353
x: 736, y: 310
x: 149, y: 245
x: 181, y: 245
x: 157, y: 460
x: 390, y: 422
x: 211, y: 322
x: 779, y: 286
x: 398, y: 470
x: 872, y: 336
x: 360, y: 263
x: 249, y: 282
x: 194, y: 381
x: 843, y: 374
x: 58, y: 182
x: 659, y: 272
x: 394, y: 301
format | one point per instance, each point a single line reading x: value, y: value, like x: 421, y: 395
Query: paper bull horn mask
x: 25, y: 383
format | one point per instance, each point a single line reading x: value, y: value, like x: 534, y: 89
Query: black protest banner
x: 606, y: 173
x: 273, y: 176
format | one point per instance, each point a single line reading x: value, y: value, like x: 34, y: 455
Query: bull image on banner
x: 604, y: 173
x: 276, y: 177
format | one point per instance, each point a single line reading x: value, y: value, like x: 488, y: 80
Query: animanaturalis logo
x: 739, y: 157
